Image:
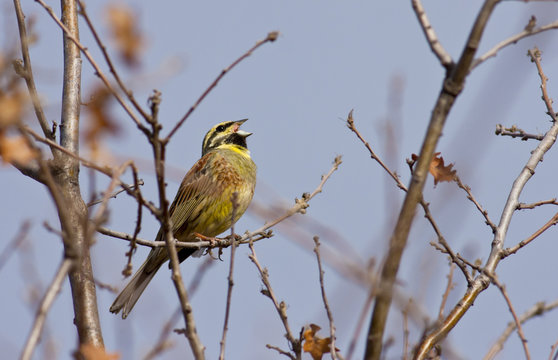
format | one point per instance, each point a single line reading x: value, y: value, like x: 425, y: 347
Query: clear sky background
x: 331, y: 57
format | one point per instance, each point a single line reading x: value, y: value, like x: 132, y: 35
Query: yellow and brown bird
x: 203, y: 203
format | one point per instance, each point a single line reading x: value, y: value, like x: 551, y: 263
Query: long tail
x: 128, y: 297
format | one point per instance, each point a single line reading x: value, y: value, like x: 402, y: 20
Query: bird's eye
x: 220, y: 128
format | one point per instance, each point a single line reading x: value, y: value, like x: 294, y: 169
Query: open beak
x: 241, y: 132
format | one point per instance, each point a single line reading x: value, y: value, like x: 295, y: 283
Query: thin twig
x: 514, y: 132
x: 425, y: 206
x: 42, y: 311
x: 535, y: 55
x: 163, y: 343
x: 112, y: 69
x: 333, y: 351
x: 116, y: 193
x: 512, y: 40
x: 509, y: 251
x: 449, y: 287
x: 405, y: 333
x: 520, y: 333
x: 96, y: 66
x: 271, y: 37
x: 234, y: 202
x: 522, y: 206
x: 28, y: 72
x: 281, y: 307
x: 553, y: 354
x: 11, y: 246
x: 470, y: 196
x: 538, y: 309
x: 281, y: 351
x: 140, y: 201
x: 482, y: 281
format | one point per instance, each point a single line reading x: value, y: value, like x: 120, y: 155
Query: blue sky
x: 331, y: 57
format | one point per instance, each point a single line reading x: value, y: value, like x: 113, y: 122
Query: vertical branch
x: 163, y: 216
x: 67, y: 178
x: 234, y: 201
x: 28, y: 71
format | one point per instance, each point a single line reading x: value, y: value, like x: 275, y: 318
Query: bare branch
x: 535, y: 55
x: 514, y: 132
x: 281, y: 307
x: 528, y: 31
x: 483, y: 280
x: 522, y: 206
x: 10, y: 247
x: 42, y: 311
x: 425, y: 206
x: 516, y: 320
x: 334, y: 354
x: 96, y: 66
x: 234, y: 202
x: 163, y: 343
x: 470, y: 196
x: 112, y: 69
x: 28, y: 72
x: 435, y: 45
x: 114, y: 194
x: 449, y: 287
x: 272, y: 36
x: 509, y: 251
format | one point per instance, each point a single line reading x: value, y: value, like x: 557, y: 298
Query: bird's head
x: 225, y: 133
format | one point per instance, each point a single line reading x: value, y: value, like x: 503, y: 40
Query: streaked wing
x: 197, y: 188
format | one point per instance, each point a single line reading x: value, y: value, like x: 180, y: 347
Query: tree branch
x: 272, y: 36
x: 452, y: 87
x: 28, y: 72
x: 44, y: 306
x: 482, y: 281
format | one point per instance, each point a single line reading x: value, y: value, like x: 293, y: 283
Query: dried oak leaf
x: 16, y: 150
x: 439, y: 171
x: 128, y: 38
x: 315, y: 345
x: 92, y: 352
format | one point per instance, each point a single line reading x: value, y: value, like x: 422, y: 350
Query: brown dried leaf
x: 439, y: 171
x: 11, y: 105
x: 91, y: 352
x: 315, y: 345
x: 128, y: 38
x: 100, y: 121
x: 16, y: 150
